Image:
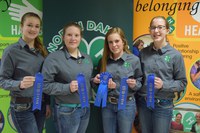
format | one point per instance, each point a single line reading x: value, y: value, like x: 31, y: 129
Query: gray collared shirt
x: 17, y: 62
x: 128, y: 66
x: 59, y: 69
x: 166, y: 63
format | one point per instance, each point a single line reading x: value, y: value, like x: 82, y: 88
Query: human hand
x: 158, y: 83
x: 96, y: 79
x: 48, y: 111
x: 131, y: 83
x: 17, y: 11
x: 27, y: 82
x: 74, y: 86
x: 111, y: 84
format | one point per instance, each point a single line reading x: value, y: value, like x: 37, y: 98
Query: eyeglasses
x: 160, y: 27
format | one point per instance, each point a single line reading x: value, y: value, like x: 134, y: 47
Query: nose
x: 156, y: 29
x: 72, y: 37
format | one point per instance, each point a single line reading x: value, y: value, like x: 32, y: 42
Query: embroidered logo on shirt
x: 167, y: 58
x: 126, y: 64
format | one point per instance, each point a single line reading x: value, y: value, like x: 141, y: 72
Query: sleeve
x: 193, y: 70
x: 193, y: 128
x: 46, y: 99
x: 50, y: 70
x: 93, y: 85
x: 6, y: 73
x: 135, y: 51
x: 179, y: 80
x: 138, y: 74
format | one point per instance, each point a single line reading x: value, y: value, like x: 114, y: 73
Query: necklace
x: 33, y: 49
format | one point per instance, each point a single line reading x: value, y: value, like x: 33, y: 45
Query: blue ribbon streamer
x: 82, y: 89
x: 102, y: 90
x: 150, y: 90
x: 123, y: 94
x: 37, y: 95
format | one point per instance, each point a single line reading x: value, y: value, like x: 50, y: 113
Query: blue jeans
x: 23, y: 118
x: 119, y: 121
x: 157, y: 120
x: 72, y: 119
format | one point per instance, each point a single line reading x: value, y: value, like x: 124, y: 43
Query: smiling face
x: 72, y: 37
x: 116, y: 45
x: 158, y: 30
x: 178, y: 118
x: 30, y: 28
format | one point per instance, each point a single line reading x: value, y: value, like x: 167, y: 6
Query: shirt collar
x: 162, y: 50
x: 69, y: 56
x: 123, y: 57
x: 22, y: 43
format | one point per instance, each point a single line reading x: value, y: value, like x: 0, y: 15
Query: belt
x: 69, y: 105
x: 114, y: 100
x: 157, y: 100
x: 21, y: 100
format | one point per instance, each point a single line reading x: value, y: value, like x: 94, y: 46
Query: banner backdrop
x: 184, y: 19
x: 11, y: 12
x: 96, y: 18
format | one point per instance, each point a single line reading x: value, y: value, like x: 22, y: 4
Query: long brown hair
x: 107, y: 52
x: 37, y: 44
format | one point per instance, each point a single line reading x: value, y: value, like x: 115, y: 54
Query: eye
x: 160, y: 27
x: 116, y: 41
x: 30, y: 25
x: 77, y: 35
x: 110, y: 42
x: 37, y: 26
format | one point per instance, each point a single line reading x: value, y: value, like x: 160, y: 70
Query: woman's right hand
x: 74, y: 86
x: 27, y: 82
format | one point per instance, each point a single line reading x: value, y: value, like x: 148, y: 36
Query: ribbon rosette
x: 102, y: 89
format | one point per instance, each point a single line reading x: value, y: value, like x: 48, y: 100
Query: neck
x: 117, y: 56
x: 74, y: 53
x: 159, y: 45
x: 30, y: 43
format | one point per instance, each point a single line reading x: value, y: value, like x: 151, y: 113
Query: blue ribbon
x: 150, y: 90
x: 82, y: 89
x: 102, y: 90
x: 37, y: 95
x: 123, y: 94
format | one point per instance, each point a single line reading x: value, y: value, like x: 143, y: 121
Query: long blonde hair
x: 107, y: 52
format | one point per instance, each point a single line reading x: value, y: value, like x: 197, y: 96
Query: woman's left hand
x: 48, y: 111
x: 158, y: 83
x: 131, y: 83
x: 111, y: 84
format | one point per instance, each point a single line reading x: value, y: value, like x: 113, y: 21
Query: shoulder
x: 54, y: 56
x: 11, y: 49
x: 85, y: 55
x: 130, y: 57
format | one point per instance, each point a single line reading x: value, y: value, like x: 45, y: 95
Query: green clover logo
x: 127, y: 64
x: 171, y: 21
x: 167, y: 58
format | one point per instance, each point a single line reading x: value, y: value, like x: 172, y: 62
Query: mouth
x: 156, y: 36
